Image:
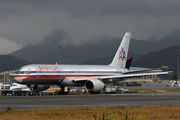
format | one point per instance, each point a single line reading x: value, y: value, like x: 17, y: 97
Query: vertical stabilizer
x: 128, y: 62
x: 122, y: 52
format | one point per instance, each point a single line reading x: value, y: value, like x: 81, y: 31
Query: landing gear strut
x: 62, y: 90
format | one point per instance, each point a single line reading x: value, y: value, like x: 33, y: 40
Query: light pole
x: 59, y: 52
x: 178, y: 62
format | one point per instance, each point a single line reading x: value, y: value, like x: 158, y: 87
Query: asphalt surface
x: 126, y: 99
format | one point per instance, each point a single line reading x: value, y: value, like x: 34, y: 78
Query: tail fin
x: 121, y: 54
x: 128, y: 62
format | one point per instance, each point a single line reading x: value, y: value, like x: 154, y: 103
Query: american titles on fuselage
x: 48, y: 68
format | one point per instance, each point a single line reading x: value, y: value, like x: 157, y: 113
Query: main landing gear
x: 63, y: 91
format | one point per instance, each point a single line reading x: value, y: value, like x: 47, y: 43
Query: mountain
x: 8, y: 62
x: 159, y: 35
x: 169, y: 40
x: 47, y: 52
x: 165, y: 59
x: 108, y: 59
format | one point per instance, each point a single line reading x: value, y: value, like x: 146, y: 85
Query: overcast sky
x: 25, y: 22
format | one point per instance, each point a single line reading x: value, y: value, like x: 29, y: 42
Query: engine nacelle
x: 39, y: 88
x: 94, y: 85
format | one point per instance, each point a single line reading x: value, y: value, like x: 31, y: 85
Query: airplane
x: 128, y: 62
x: 93, y: 77
x: 19, y: 87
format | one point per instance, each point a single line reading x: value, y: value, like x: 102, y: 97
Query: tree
x: 174, y: 77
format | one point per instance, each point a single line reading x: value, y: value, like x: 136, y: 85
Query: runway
x: 126, y: 99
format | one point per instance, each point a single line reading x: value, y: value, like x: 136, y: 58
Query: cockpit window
x: 24, y: 72
x: 21, y: 72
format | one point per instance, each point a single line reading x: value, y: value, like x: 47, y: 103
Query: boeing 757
x: 93, y: 77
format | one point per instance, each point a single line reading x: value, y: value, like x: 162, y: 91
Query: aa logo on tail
x: 122, y: 54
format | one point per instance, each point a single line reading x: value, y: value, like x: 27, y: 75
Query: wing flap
x: 140, y: 71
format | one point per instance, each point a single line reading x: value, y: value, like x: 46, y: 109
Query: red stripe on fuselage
x: 60, y: 75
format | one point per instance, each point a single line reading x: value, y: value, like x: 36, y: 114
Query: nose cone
x: 18, y: 79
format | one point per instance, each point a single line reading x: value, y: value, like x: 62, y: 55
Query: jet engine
x: 94, y: 85
x: 39, y: 88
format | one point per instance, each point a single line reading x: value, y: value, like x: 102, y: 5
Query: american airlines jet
x: 93, y: 77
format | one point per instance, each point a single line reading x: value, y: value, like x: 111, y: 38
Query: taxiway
x: 126, y: 99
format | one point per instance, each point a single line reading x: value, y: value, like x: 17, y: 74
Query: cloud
x: 7, y: 46
x: 29, y: 22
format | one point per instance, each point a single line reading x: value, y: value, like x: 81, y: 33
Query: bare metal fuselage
x: 64, y: 74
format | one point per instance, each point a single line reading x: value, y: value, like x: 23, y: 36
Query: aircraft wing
x: 124, y: 76
x: 141, y: 71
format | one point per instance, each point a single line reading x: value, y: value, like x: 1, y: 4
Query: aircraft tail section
x: 128, y: 62
x: 122, y: 52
